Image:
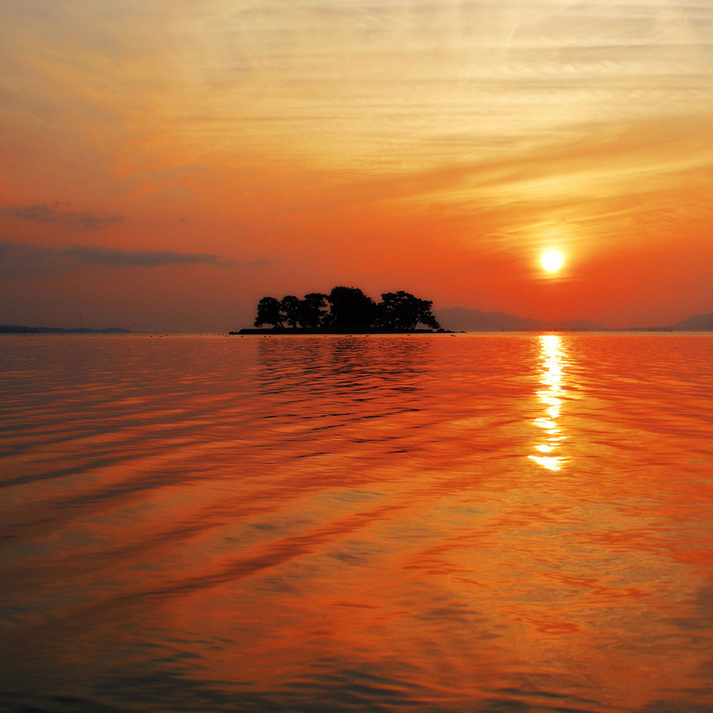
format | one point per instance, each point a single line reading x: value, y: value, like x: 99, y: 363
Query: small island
x: 345, y: 310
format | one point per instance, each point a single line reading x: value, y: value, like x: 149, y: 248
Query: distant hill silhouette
x: 461, y: 319
x: 697, y: 323
x: 473, y: 320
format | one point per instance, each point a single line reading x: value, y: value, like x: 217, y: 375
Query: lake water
x: 432, y: 524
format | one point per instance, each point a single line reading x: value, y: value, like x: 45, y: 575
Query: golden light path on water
x: 553, y: 361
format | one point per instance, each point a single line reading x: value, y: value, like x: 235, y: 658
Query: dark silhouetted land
x: 344, y: 310
x: 697, y: 323
x: 473, y: 320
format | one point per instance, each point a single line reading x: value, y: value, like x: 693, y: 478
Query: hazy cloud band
x: 54, y: 214
x: 25, y: 259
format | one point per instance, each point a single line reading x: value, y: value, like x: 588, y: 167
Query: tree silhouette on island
x: 344, y: 310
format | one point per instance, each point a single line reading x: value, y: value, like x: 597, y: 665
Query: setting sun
x: 552, y: 260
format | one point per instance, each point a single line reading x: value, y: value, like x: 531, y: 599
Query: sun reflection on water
x: 553, y: 361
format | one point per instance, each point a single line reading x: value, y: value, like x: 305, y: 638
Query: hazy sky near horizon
x: 165, y: 165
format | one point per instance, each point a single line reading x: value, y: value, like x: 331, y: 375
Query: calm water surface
x: 478, y: 523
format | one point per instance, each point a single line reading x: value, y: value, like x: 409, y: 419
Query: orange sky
x: 165, y: 167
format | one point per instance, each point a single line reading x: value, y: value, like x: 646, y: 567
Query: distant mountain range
x: 697, y: 323
x: 457, y: 319
x: 460, y: 319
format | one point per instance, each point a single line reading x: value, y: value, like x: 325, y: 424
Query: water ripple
x: 438, y: 524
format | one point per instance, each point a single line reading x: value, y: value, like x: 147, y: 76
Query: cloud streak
x: 23, y: 259
x: 53, y: 213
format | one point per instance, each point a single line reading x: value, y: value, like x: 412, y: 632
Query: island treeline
x: 346, y: 309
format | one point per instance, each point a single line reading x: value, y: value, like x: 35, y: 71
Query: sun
x: 552, y: 260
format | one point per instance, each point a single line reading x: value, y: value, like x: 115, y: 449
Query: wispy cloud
x: 23, y: 259
x: 55, y: 214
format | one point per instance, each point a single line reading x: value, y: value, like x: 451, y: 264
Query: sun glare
x: 552, y: 260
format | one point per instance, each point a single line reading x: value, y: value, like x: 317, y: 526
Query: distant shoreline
x: 19, y: 329
x: 524, y: 330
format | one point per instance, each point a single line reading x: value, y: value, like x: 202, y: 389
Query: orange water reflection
x: 553, y: 356
x: 339, y: 524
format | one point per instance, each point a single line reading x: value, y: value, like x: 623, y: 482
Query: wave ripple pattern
x: 431, y: 523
